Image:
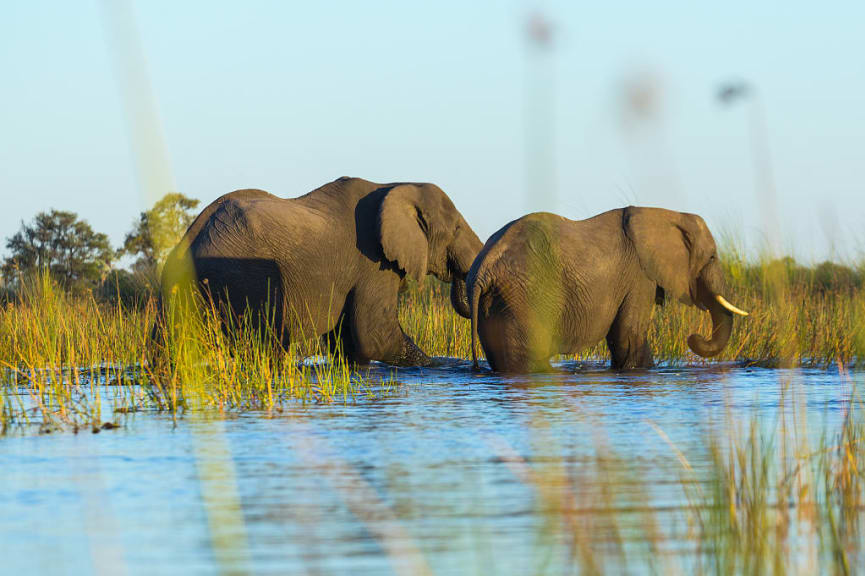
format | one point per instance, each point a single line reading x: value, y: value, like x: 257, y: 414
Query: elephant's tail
x: 475, y: 295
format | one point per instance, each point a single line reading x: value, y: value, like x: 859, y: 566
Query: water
x: 435, y: 475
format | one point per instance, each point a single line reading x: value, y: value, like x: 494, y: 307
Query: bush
x: 123, y: 287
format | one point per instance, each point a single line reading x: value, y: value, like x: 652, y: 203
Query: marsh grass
x: 766, y: 497
x: 426, y: 315
x: 56, y: 350
x: 63, y: 356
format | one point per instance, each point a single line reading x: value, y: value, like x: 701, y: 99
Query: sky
x: 619, y: 107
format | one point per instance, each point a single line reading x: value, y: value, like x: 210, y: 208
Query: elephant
x: 545, y: 285
x: 329, y: 263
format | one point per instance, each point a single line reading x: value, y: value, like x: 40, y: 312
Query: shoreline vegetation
x: 70, y: 320
x: 57, y: 346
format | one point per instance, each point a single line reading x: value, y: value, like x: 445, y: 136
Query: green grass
x: 55, y: 348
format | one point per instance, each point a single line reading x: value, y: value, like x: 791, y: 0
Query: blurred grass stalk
x: 763, y: 500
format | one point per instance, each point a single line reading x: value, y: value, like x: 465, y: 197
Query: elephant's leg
x: 340, y: 341
x: 375, y: 330
x: 511, y: 339
x: 627, y: 338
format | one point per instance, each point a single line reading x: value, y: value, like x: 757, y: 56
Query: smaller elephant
x: 545, y: 285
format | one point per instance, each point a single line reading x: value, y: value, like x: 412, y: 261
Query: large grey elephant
x: 546, y: 285
x: 330, y: 262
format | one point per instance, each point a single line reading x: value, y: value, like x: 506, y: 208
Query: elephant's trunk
x: 461, y: 256
x: 459, y: 296
x: 722, y: 325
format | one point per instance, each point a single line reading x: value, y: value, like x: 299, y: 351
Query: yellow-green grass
x: 56, y: 351
x: 426, y: 315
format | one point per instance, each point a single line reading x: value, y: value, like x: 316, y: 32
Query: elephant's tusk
x: 723, y: 302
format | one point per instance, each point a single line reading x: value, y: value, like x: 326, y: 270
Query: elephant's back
x: 257, y: 248
x: 530, y: 238
x: 181, y: 260
x: 223, y: 219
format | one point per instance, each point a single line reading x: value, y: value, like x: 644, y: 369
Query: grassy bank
x: 57, y: 350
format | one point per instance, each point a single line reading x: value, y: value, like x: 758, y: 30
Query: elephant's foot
x: 639, y: 361
x: 629, y: 350
x: 632, y: 366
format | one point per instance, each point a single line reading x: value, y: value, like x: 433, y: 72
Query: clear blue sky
x: 286, y: 96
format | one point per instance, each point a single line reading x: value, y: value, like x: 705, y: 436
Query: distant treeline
x: 826, y: 276
x: 82, y: 261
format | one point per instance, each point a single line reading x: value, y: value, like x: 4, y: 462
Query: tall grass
x: 57, y: 353
x: 56, y: 349
x: 426, y: 314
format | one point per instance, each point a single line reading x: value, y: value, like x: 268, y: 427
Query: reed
x: 58, y: 353
x: 426, y: 315
x: 56, y: 349
x: 767, y: 497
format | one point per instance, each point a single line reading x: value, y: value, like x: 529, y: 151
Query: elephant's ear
x: 401, y: 229
x: 664, y: 241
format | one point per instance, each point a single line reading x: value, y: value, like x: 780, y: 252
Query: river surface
x: 441, y: 473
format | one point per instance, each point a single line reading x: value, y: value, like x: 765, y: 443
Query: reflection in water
x: 439, y: 475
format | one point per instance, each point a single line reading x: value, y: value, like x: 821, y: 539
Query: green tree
x: 59, y: 242
x: 158, y: 230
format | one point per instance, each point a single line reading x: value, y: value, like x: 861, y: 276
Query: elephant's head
x: 677, y: 252
x: 423, y: 233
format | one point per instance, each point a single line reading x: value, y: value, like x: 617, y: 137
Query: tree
x: 60, y: 243
x: 158, y: 230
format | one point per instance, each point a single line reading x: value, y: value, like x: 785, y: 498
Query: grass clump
x: 62, y: 356
x: 426, y: 314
